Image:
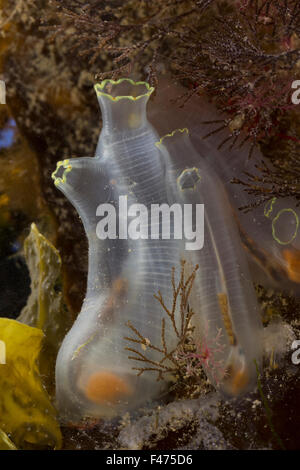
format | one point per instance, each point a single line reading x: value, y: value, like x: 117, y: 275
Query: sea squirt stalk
x: 94, y: 376
x: 223, y: 296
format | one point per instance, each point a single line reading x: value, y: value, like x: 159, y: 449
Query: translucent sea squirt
x: 227, y: 314
x: 94, y: 376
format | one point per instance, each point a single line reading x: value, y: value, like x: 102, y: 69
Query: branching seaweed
x: 244, y: 54
x: 278, y: 179
x: 188, y: 359
x: 168, y: 364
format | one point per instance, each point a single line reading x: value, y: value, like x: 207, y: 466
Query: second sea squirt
x: 223, y: 295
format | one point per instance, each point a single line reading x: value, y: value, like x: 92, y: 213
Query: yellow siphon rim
x: 268, y: 209
x: 196, y: 170
x: 68, y: 167
x: 183, y: 130
x: 100, y: 86
x: 277, y: 239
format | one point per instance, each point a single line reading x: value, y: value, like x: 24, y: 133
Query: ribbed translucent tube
x: 94, y: 376
x: 227, y: 316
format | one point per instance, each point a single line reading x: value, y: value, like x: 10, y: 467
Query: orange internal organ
x: 105, y: 387
x: 292, y: 258
x: 237, y: 380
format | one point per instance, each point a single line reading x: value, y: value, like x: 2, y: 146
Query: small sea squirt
x: 94, y: 376
x: 223, y: 297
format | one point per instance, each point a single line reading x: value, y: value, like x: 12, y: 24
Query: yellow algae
x: 44, y: 307
x: 27, y: 414
x: 5, y: 442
